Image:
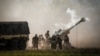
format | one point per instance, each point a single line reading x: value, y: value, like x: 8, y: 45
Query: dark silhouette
x: 66, y: 39
x: 14, y: 35
x: 47, y: 35
x: 59, y: 42
x: 53, y: 42
x: 35, y: 42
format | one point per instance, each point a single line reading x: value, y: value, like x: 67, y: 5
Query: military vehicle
x: 14, y: 35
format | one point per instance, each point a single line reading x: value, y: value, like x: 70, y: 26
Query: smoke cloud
x: 43, y: 14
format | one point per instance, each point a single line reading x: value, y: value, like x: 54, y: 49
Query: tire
x: 13, y: 44
x: 22, y: 44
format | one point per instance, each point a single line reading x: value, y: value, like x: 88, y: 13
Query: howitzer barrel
x: 82, y: 20
x: 66, y: 31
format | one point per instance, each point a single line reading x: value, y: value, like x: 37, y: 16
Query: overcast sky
x: 43, y: 14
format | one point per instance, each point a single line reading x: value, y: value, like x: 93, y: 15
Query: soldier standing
x: 47, y: 39
x: 67, y: 44
x: 35, y: 42
x: 59, y: 42
x: 66, y: 39
x: 41, y: 42
x: 47, y: 35
x: 53, y: 42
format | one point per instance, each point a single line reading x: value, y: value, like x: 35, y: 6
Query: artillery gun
x: 64, y: 34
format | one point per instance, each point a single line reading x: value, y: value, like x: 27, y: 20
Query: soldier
x: 66, y: 37
x: 47, y: 38
x: 53, y: 42
x: 41, y: 41
x: 35, y: 42
x: 67, y: 44
x: 47, y: 35
x: 59, y: 42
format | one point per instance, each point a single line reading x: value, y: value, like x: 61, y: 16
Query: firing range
x: 42, y: 15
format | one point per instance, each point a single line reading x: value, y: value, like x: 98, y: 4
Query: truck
x: 14, y: 35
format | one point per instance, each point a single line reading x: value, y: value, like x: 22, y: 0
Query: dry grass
x: 46, y: 53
